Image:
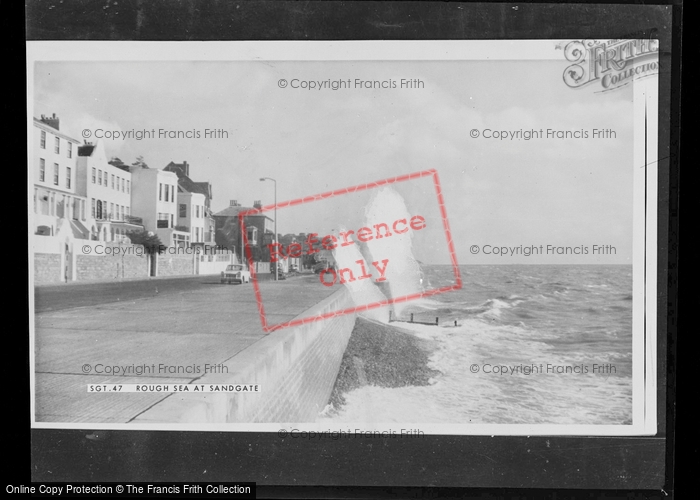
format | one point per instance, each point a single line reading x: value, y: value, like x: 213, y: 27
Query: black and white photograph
x: 387, y: 238
x: 348, y: 249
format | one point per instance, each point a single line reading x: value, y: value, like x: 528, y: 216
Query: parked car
x: 235, y: 273
x: 320, y: 266
x: 281, y: 275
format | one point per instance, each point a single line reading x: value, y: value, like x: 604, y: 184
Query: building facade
x: 56, y: 200
x: 154, y: 200
x: 259, y: 228
x: 194, y: 194
x: 191, y: 216
x: 107, y: 190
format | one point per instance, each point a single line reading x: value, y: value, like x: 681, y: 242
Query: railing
x: 393, y: 319
x: 133, y: 220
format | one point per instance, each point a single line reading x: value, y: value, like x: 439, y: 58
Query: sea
x: 517, y: 344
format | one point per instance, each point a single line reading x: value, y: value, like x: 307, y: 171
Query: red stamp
x: 375, y: 260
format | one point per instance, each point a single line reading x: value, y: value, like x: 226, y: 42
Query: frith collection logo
x: 612, y: 63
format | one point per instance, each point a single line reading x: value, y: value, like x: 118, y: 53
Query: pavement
x: 83, y: 331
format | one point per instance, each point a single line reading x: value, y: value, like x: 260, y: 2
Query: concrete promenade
x: 202, y: 324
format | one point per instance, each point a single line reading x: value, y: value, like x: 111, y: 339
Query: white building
x: 154, y: 200
x: 54, y: 175
x: 191, y: 215
x: 107, y: 190
x: 204, y: 219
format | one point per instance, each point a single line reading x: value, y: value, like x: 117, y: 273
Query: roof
x: 54, y: 131
x: 86, y: 150
x: 234, y: 211
x: 187, y: 184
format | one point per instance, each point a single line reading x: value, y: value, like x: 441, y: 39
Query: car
x: 281, y: 275
x: 235, y: 273
x: 324, y: 265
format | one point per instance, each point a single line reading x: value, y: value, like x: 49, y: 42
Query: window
x: 70, y: 149
x: 94, y: 174
x: 42, y: 169
x: 99, y: 210
x: 68, y: 177
x: 172, y: 194
x: 99, y: 177
x: 55, y: 174
x: 172, y: 220
x: 126, y: 212
x: 57, y: 147
x: 252, y: 236
x: 92, y: 208
x: 167, y: 192
x: 111, y: 210
x: 82, y: 209
x: 160, y: 192
x: 163, y: 220
x: 112, y: 181
x: 127, y: 186
x: 43, y: 139
x: 183, y: 210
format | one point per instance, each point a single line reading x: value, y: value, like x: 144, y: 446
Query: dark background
x: 626, y: 463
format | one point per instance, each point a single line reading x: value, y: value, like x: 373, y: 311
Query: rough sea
x: 533, y: 344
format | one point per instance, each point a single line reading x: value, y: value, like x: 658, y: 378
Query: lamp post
x: 263, y: 179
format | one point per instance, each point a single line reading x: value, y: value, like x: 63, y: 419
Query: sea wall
x: 295, y: 367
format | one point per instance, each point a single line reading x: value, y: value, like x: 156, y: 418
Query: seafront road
x: 92, y: 333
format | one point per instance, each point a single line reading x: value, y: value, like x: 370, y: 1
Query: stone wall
x: 108, y: 268
x: 175, y: 264
x: 47, y: 268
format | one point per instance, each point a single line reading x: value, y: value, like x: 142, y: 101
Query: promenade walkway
x: 188, y: 330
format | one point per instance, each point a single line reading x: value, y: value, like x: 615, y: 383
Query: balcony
x: 133, y: 220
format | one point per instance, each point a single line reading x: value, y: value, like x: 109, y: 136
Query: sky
x: 573, y: 192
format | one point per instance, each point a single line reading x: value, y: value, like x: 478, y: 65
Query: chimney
x: 234, y: 203
x: 186, y: 167
x: 51, y: 121
x: 257, y: 204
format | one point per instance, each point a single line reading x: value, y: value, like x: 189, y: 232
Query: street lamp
x: 263, y: 179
